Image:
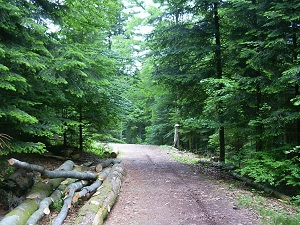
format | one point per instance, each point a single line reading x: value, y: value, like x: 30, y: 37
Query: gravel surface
x: 158, y: 190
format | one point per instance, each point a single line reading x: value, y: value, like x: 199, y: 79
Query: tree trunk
x: 45, y: 203
x: 114, y: 153
x: 44, y: 207
x: 218, y: 56
x: 70, y: 191
x: 106, y: 163
x: 80, y: 130
x: 93, y: 187
x: 294, y: 60
x: 40, y: 190
x: 261, y: 187
x: 99, y: 205
x: 52, y: 174
x: 259, y: 128
x: 19, y: 182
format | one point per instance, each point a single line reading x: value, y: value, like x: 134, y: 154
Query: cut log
x: 44, y: 207
x: 88, y: 189
x: 19, y: 182
x: 70, y: 191
x: 40, y: 190
x: 106, y: 163
x: 114, y: 153
x: 99, y: 205
x: 45, y: 203
x: 52, y: 174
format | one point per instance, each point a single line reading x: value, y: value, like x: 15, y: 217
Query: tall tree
x: 55, y: 82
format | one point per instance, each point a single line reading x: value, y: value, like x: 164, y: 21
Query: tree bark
x: 106, y: 163
x: 80, y: 130
x: 19, y: 182
x: 52, y: 174
x: 45, y: 203
x: 112, y: 153
x: 40, y: 190
x: 99, y: 205
x: 44, y: 207
x: 218, y: 55
x: 70, y: 191
x: 93, y: 187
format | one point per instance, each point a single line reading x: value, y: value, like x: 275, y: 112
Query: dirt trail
x: 160, y: 191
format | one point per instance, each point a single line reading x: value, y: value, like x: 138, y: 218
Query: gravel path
x: 160, y: 191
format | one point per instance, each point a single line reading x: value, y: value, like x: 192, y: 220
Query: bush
x: 263, y: 168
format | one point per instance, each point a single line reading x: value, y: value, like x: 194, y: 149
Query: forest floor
x: 159, y: 190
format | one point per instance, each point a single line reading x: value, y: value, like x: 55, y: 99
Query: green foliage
x: 28, y: 147
x: 53, y: 82
x: 296, y: 200
x: 256, y: 100
x: 57, y: 205
x: 264, y: 168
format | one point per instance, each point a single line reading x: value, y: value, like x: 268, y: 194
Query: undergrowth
x: 100, y: 149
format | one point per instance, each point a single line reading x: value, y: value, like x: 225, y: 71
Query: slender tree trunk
x: 80, y: 131
x: 218, y: 56
x: 295, y: 56
x: 298, y: 120
x: 65, y: 132
x: 259, y: 128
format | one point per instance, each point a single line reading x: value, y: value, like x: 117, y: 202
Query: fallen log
x: 109, y: 151
x: 44, y: 208
x: 114, y: 153
x: 19, y: 182
x: 40, y: 190
x: 106, y: 163
x: 219, y: 165
x: 45, y: 203
x: 52, y: 174
x: 267, y: 190
x: 230, y: 169
x: 89, y: 189
x: 98, y: 206
x: 70, y: 191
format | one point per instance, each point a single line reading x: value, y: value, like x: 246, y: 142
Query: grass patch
x: 184, y: 157
x: 271, y: 214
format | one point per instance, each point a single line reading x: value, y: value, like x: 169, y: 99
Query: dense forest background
x: 227, y: 72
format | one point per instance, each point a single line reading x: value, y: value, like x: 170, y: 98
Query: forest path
x: 158, y: 190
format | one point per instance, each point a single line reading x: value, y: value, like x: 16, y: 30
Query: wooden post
x: 176, y: 136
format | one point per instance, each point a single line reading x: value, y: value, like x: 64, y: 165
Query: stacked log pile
x: 70, y: 184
